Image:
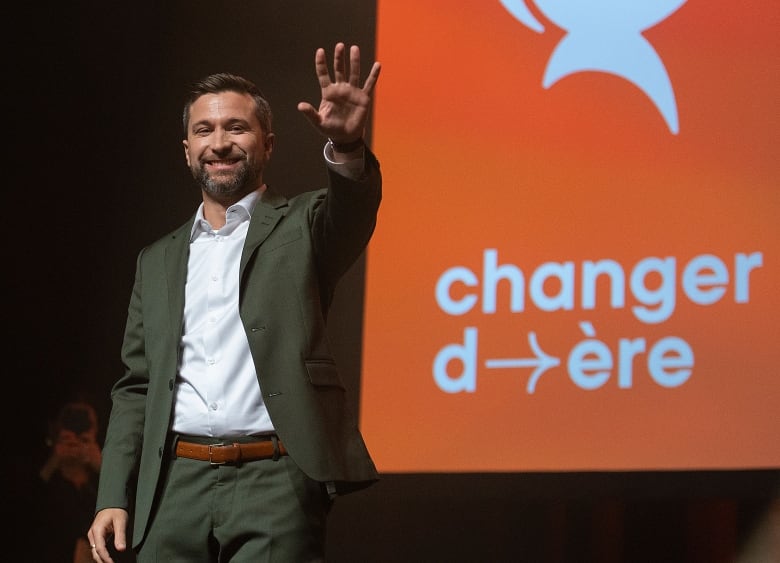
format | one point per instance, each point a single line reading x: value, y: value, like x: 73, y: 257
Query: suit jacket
x: 295, y: 252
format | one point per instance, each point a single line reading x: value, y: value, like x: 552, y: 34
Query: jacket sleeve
x: 345, y: 221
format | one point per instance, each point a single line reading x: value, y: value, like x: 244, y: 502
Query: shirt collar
x: 235, y: 214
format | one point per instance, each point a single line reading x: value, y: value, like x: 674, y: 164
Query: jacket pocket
x: 324, y: 372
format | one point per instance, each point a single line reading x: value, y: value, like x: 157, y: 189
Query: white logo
x: 606, y: 36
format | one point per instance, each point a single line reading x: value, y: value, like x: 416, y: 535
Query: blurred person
x: 68, y: 483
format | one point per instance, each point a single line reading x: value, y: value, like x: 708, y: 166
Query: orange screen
x: 576, y: 262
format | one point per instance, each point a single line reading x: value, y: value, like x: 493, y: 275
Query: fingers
x: 97, y: 546
x: 120, y: 542
x: 354, y: 66
x: 373, y: 75
x: 107, y: 522
x: 340, y: 72
x: 339, y: 64
x: 321, y: 68
x: 343, y: 108
x: 99, y: 552
x: 310, y: 112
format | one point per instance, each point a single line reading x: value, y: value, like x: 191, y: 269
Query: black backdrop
x: 93, y: 101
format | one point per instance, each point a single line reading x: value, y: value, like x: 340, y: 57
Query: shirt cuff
x: 352, y: 169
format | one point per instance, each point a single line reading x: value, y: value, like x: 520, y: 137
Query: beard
x: 227, y: 185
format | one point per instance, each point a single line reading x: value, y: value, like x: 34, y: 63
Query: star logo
x: 606, y: 36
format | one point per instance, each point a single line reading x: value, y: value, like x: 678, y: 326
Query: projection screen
x: 576, y: 262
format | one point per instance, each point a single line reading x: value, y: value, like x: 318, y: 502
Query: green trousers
x: 262, y: 511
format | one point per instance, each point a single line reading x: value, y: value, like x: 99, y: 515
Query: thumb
x: 310, y: 112
x: 120, y: 534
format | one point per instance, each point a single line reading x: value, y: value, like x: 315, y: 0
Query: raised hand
x: 343, y: 111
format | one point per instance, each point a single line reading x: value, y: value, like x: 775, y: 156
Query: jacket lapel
x: 271, y: 207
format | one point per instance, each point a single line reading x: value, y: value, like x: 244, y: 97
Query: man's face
x: 226, y: 148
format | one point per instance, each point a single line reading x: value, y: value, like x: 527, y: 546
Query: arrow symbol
x: 542, y: 362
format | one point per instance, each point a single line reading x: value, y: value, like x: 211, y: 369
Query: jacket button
x: 170, y: 384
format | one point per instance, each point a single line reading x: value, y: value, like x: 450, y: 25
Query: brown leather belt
x: 219, y: 454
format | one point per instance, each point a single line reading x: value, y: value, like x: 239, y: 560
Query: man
x: 229, y: 435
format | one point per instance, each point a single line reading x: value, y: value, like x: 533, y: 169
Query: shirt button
x: 213, y: 406
x: 211, y: 361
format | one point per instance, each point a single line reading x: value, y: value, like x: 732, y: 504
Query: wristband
x: 346, y: 147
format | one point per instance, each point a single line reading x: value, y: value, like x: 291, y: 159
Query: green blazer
x: 295, y: 252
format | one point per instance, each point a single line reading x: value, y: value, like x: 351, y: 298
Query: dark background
x: 93, y: 100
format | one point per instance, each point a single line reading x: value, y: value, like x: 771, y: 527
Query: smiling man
x: 230, y: 436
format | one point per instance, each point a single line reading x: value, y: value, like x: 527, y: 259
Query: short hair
x: 226, y: 82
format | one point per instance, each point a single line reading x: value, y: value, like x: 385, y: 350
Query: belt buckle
x: 211, y: 461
